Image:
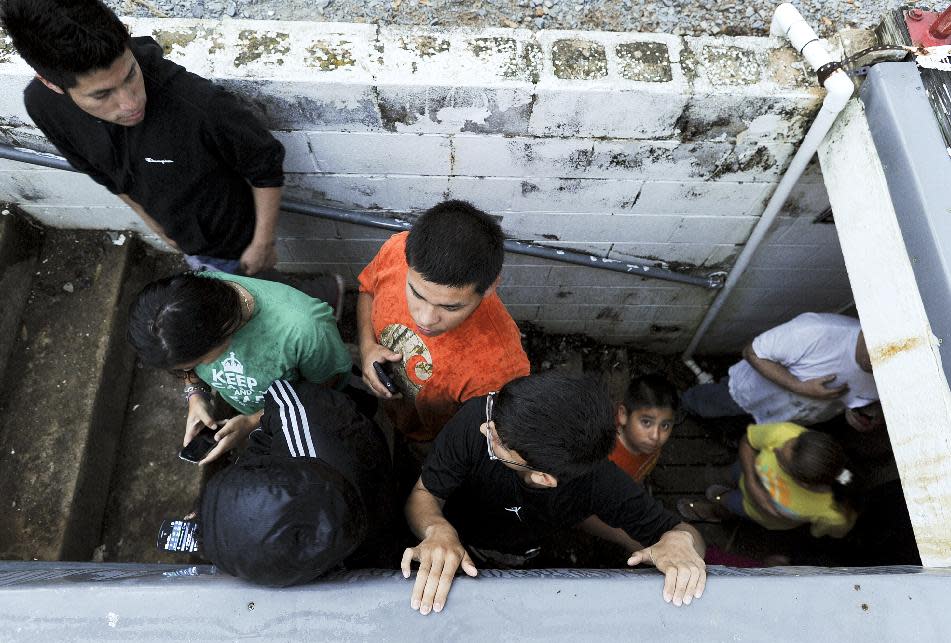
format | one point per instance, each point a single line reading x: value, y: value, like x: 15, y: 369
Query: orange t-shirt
x: 636, y: 465
x: 438, y: 373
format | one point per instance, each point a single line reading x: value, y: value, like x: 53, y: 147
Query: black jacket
x: 314, y: 490
x: 190, y: 163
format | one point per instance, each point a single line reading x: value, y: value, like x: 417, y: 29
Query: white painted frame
x: 907, y: 365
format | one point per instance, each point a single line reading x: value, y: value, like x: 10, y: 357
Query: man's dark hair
x: 559, y: 424
x: 62, y: 39
x: 178, y: 319
x: 651, y: 391
x: 456, y: 244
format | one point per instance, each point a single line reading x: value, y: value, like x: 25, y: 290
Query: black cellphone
x: 179, y: 536
x: 384, y: 378
x: 196, y: 450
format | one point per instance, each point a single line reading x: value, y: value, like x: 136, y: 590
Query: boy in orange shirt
x: 428, y: 312
x: 644, y: 420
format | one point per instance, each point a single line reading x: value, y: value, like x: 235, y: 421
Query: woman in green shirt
x: 236, y: 335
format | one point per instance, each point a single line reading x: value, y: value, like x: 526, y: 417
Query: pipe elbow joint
x: 839, y: 88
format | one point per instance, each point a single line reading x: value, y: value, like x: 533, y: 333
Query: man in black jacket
x: 314, y: 491
x: 197, y: 166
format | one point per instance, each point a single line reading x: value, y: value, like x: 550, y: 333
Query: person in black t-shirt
x: 194, y: 163
x: 514, y: 466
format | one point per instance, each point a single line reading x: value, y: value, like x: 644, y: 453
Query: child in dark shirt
x: 645, y: 421
x: 515, y: 466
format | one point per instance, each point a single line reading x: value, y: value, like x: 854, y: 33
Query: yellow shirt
x: 797, y: 504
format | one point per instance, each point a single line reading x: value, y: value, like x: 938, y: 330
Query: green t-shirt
x: 290, y: 336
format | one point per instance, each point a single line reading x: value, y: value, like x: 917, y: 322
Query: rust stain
x: 888, y: 351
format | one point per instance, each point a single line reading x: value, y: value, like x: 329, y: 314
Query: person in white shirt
x: 806, y: 371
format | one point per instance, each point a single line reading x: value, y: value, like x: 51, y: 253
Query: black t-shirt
x: 190, y: 163
x: 492, y: 508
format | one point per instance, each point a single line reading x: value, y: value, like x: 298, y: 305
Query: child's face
x: 645, y: 429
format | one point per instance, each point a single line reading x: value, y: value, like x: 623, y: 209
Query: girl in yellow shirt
x: 788, y: 476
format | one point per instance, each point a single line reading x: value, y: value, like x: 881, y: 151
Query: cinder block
x: 523, y: 312
x: 785, y: 256
x: 331, y: 251
x: 391, y: 193
x: 567, y: 275
x: 514, y: 275
x: 690, y: 253
x: 87, y: 218
x: 553, y: 296
x: 375, y: 153
x: 562, y: 327
x: 668, y: 160
x: 54, y: 188
x: 450, y: 109
x: 353, y: 231
x: 310, y: 106
x: 425, y: 55
x: 6, y: 165
x: 299, y: 226
x: 546, y: 194
x: 722, y: 257
x: 588, y: 227
x: 15, y: 77
x: 297, y: 157
x: 348, y: 271
x: 608, y: 328
x: 616, y: 112
x: 829, y: 256
x: 711, y: 199
x: 677, y: 314
x: 575, y: 98
x: 804, y: 230
x: 713, y: 229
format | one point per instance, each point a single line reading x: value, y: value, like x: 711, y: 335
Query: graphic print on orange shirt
x: 417, y: 364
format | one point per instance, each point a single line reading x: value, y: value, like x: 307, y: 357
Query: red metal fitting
x: 941, y: 28
x: 915, y: 14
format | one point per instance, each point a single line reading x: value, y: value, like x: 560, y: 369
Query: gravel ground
x: 690, y: 17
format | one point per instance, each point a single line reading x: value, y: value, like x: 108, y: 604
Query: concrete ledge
x: 792, y: 604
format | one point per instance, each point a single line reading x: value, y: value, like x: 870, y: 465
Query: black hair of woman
x: 176, y: 320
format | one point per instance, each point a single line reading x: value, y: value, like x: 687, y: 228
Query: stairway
x: 89, y: 441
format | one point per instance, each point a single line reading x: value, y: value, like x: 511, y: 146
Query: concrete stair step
x: 150, y: 483
x: 64, y: 398
x: 20, y: 243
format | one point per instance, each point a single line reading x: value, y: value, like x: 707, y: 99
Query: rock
x: 232, y: 8
x: 68, y: 287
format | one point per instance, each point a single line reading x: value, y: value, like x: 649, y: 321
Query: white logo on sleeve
x: 149, y: 159
x: 515, y: 511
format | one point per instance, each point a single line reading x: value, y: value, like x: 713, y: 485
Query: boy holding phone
x: 428, y: 314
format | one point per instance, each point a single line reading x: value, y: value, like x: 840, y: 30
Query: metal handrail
x: 645, y: 269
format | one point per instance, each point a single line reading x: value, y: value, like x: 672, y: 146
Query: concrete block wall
x: 619, y: 145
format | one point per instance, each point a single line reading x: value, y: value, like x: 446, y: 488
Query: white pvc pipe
x: 839, y: 87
